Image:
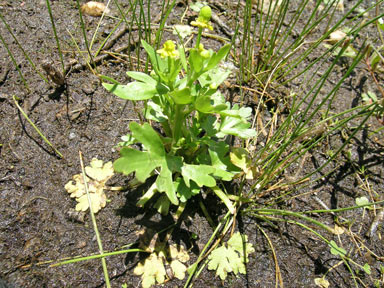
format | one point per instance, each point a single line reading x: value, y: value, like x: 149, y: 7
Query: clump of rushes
x: 181, y: 93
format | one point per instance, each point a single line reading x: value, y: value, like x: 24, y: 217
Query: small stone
x: 72, y: 135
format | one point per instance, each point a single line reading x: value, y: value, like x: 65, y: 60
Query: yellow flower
x: 201, y: 23
x: 168, y: 50
x: 203, y: 20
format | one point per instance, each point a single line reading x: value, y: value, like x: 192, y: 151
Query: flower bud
x: 205, y: 13
x: 169, y: 46
x: 205, y: 54
x: 213, y: 86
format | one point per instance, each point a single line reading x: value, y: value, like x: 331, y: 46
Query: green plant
x: 181, y: 94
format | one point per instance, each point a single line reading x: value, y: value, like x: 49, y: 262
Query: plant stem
x: 177, y: 124
x: 35, y: 127
x: 223, y: 197
x: 98, y: 238
x: 198, y: 38
x: 14, y: 63
x: 56, y: 37
x: 22, y: 49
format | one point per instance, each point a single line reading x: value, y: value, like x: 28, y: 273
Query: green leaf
x: 184, y: 192
x: 336, y: 250
x: 199, y: 174
x: 164, y: 183
x: 218, y: 152
x: 132, y: 160
x: 149, y: 138
x: 236, y: 127
x: 182, y: 96
x: 224, y: 198
x: 147, y: 196
x: 235, y: 111
x: 362, y: 201
x: 216, y: 57
x: 229, y: 259
x: 176, y: 68
x: 214, y: 76
x: 210, y: 125
x: 162, y: 205
x: 204, y: 104
x: 183, y: 59
x: 196, y: 60
x: 158, y: 64
x: 132, y: 91
x: 367, y: 268
x: 154, y: 112
x: 220, y: 260
x: 109, y: 79
x: 144, y: 162
x: 348, y: 52
x: 142, y: 77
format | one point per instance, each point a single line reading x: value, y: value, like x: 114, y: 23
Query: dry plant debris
x: 322, y: 282
x: 231, y: 258
x: 240, y: 158
x: 93, y: 8
x: 97, y: 175
x: 336, y: 36
x: 153, y: 269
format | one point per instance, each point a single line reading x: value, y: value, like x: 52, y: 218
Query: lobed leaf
x: 240, y: 244
x: 144, y: 162
x: 184, y: 192
x: 199, y: 174
x: 236, y: 127
x: 231, y: 258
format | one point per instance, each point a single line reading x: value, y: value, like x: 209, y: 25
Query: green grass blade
x: 97, y: 256
x: 85, y: 35
x: 97, y: 28
x: 14, y: 62
x: 22, y: 49
x: 35, y: 127
x: 98, y: 238
x: 55, y: 34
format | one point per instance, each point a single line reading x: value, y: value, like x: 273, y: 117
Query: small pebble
x: 72, y: 135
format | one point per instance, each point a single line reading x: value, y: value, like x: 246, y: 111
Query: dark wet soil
x: 35, y: 222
